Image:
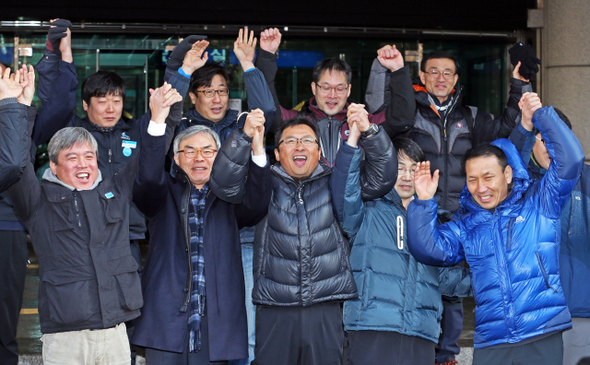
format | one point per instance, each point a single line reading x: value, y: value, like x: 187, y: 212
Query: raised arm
x: 429, y: 242
x: 567, y: 160
x: 230, y: 169
x: 266, y: 62
x: 259, y: 94
x: 58, y: 82
x: 187, y: 57
x: 390, y: 90
x: 16, y: 121
x: 523, y: 136
x: 148, y: 175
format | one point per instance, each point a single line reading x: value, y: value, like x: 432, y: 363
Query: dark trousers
x: 299, y: 335
x: 159, y: 357
x: 13, y: 270
x: 385, y: 347
x: 546, y: 351
x: 452, y: 325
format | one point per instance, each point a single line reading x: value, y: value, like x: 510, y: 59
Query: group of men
x: 356, y: 239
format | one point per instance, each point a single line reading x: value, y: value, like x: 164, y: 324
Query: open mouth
x: 485, y: 198
x: 83, y: 176
x: 300, y: 160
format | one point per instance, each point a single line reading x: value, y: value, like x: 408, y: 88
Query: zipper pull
x: 110, y: 154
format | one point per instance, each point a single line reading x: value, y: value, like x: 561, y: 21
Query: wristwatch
x: 373, y: 128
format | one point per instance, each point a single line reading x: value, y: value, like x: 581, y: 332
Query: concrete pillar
x: 565, y: 44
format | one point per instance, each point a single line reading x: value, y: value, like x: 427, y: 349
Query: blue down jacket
x: 513, y: 251
x: 574, y: 253
x: 396, y: 292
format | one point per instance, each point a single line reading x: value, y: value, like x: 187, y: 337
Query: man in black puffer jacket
x: 301, y: 267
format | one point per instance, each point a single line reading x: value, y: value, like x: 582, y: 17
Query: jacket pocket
x: 127, y: 282
x: 70, y: 300
x: 544, y: 272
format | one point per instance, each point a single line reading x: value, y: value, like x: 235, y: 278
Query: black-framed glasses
x: 192, y: 152
x: 326, y: 89
x: 292, y: 141
x: 435, y: 73
x: 209, y: 93
x: 540, y: 139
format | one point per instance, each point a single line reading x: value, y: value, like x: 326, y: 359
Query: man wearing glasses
x: 445, y: 129
x: 210, y: 84
x: 331, y: 87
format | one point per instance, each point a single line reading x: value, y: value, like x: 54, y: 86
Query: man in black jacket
x: 79, y: 226
x: 301, y: 267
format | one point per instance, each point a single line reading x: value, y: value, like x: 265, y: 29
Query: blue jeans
x: 247, y: 257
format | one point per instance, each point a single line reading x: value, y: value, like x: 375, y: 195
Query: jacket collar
x: 196, y: 118
x: 50, y: 177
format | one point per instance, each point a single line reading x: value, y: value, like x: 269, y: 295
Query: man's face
x: 486, y: 181
x: 215, y: 107
x: 104, y: 110
x: 76, y: 166
x: 540, y: 152
x: 439, y: 86
x: 405, y: 177
x: 198, y: 167
x: 331, y: 102
x: 299, y: 161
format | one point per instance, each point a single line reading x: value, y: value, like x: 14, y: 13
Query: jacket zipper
x: 77, y: 210
x: 545, y: 276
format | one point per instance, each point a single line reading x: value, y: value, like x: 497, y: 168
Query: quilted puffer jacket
x: 513, y: 251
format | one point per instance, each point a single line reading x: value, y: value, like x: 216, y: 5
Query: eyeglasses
x: 401, y: 171
x: 192, y: 152
x: 434, y: 73
x: 209, y: 93
x: 540, y: 139
x: 292, y: 142
x: 326, y: 89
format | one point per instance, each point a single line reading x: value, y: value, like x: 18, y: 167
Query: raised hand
x: 258, y: 142
x: 358, y: 114
x: 424, y: 183
x: 27, y: 81
x: 529, y: 103
x: 270, y: 40
x: 160, y: 101
x: 59, y: 29
x: 9, y: 85
x: 194, y: 59
x: 245, y: 48
x: 516, y: 72
x: 390, y: 57
x: 254, y: 122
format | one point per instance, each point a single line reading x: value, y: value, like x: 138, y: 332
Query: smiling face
x: 298, y: 161
x: 486, y: 181
x: 213, y: 108
x: 76, y: 166
x: 104, y: 110
x: 439, y: 86
x: 197, y: 168
x: 404, y: 185
x: 331, y: 102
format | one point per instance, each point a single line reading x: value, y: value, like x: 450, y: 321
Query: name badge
x: 129, y: 144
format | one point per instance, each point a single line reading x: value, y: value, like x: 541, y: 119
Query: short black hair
x: 331, y: 64
x: 204, y: 76
x: 293, y: 122
x: 409, y: 148
x: 563, y: 117
x: 436, y: 55
x: 102, y: 83
x: 484, y: 150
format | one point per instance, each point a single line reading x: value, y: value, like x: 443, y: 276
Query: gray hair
x: 191, y: 131
x: 67, y: 138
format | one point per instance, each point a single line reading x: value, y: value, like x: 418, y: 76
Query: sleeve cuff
x: 260, y: 160
x: 155, y: 129
x: 181, y: 71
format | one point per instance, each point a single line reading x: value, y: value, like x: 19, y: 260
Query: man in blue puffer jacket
x: 508, y: 231
x: 574, y: 255
x: 399, y: 304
